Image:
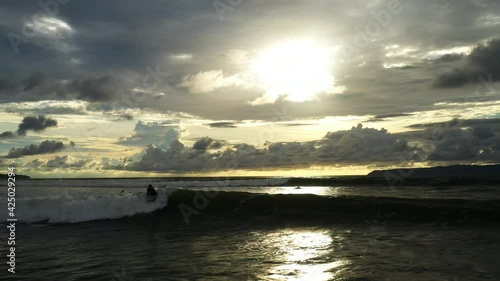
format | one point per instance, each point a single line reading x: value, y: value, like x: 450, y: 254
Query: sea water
x: 255, y: 229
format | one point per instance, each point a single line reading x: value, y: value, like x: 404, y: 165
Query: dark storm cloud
x: 35, y: 123
x: 460, y: 140
x: 484, y: 61
x: 7, y: 85
x: 38, y: 86
x: 46, y: 147
x: 105, y: 37
x: 105, y: 88
x: 123, y: 38
x: 35, y: 80
x: 100, y: 89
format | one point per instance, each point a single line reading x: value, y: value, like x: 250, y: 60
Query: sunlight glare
x: 303, y: 252
x: 297, y: 70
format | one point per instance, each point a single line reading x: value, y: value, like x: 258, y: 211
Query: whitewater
x: 79, y: 200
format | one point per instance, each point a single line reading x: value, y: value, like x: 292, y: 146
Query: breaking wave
x: 69, y: 209
x: 221, y: 205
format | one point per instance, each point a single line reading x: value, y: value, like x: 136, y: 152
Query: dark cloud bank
x: 207, y: 154
x: 132, y: 37
x: 483, y: 62
x: 467, y: 141
x: 38, y: 86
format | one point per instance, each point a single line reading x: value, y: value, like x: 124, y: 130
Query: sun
x: 297, y: 70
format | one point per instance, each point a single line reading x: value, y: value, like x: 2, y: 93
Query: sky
x: 247, y: 87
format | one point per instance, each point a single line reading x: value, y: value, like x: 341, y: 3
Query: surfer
x: 151, y: 190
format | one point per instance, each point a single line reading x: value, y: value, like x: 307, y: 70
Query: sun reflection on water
x: 317, y: 190
x: 303, y: 255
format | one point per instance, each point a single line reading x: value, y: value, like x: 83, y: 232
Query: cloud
x: 489, y: 20
x: 384, y: 117
x: 105, y: 88
x: 8, y: 135
x: 48, y: 107
x: 401, y: 66
x: 39, y: 87
x: 456, y: 144
x: 181, y: 57
x: 51, y: 32
x: 365, y: 145
x: 483, y: 61
x: 202, y: 144
x: 461, y: 140
x: 34, y: 80
x: 30, y: 123
x: 207, y: 143
x: 449, y: 54
x: 358, y: 145
x: 125, y: 117
x: 295, y: 124
x: 209, y: 81
x: 460, y: 123
x: 65, y: 162
x: 161, y: 134
x: 447, y: 58
x: 7, y: 85
x: 46, y: 147
x: 35, y: 123
x: 131, y: 38
x: 223, y: 124
x: 106, y: 45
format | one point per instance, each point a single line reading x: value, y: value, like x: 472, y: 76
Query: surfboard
x: 150, y: 198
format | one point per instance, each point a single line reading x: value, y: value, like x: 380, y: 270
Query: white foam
x: 71, y: 209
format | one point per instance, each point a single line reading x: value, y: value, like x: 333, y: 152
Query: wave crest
x: 69, y: 209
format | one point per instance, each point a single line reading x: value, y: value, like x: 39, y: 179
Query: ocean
x: 342, y: 228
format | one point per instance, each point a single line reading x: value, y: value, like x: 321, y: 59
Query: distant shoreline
x: 5, y: 176
x: 441, y: 171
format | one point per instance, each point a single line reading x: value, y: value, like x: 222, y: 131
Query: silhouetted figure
x: 151, y: 190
